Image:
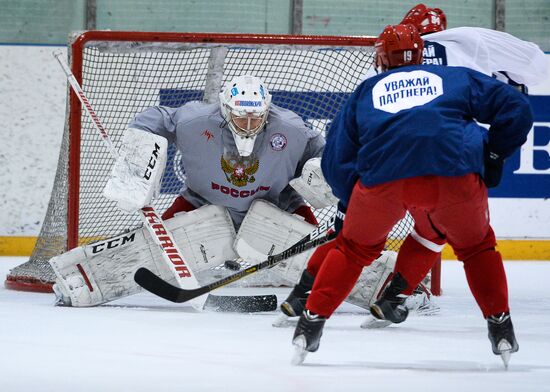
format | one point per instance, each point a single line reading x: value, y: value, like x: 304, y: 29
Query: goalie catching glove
x: 312, y: 185
x: 135, y: 178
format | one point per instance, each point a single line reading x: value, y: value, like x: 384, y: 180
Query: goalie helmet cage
x: 122, y: 73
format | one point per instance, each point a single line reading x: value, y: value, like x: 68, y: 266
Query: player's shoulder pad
x: 196, y: 110
x: 287, y: 119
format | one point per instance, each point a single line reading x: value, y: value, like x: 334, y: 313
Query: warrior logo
x: 240, y: 170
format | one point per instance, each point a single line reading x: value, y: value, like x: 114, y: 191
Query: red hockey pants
x: 454, y: 207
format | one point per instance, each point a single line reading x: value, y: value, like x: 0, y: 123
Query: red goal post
x: 122, y: 73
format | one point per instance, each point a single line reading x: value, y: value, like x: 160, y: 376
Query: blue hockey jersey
x: 421, y: 120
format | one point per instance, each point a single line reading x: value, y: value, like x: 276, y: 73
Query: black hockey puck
x: 232, y: 265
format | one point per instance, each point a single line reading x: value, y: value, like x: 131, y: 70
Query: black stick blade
x: 244, y: 304
x: 241, y: 303
x: 152, y: 283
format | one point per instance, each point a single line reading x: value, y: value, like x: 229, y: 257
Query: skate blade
x: 505, y: 349
x: 300, y: 352
x: 505, y: 356
x: 374, y: 323
x: 283, y: 321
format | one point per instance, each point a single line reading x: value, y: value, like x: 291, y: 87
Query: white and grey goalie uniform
x: 216, y: 174
x: 244, y: 207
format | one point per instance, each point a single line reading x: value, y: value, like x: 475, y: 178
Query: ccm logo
x: 152, y: 162
x: 113, y: 243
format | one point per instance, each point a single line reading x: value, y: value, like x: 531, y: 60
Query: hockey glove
x: 311, y: 185
x: 340, y: 215
x: 137, y: 173
x: 494, y: 164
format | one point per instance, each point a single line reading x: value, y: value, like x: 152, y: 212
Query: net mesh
x: 121, y: 79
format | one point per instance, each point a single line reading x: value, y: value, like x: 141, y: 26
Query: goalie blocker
x: 136, y: 174
x: 103, y: 271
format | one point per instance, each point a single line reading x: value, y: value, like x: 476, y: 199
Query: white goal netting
x: 123, y: 73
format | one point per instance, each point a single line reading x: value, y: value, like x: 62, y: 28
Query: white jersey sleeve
x: 490, y: 51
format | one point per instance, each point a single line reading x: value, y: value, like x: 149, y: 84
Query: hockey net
x: 123, y: 73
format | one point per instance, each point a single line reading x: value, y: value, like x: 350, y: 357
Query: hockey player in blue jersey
x: 495, y: 53
x: 408, y: 140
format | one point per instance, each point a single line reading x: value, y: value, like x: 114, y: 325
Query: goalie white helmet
x: 245, y: 103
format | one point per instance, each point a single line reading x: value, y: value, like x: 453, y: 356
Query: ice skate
x: 293, y: 306
x: 502, y: 337
x: 307, y: 335
x: 295, y: 303
x: 390, y: 306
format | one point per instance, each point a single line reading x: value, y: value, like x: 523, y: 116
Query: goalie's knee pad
x: 104, y: 271
x: 266, y: 230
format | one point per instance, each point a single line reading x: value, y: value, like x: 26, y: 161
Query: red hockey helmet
x: 398, y: 45
x: 426, y: 20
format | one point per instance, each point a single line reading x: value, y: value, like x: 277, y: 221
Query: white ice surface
x: 144, y: 343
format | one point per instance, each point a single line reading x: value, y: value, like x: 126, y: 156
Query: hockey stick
x: 156, y: 285
x: 151, y: 219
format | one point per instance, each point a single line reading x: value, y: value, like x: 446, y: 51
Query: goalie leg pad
x: 104, y: 271
x: 372, y: 279
x: 97, y: 273
x: 267, y: 230
x: 205, y: 237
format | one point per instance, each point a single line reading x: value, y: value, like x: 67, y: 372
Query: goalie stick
x: 156, y: 285
x: 241, y: 303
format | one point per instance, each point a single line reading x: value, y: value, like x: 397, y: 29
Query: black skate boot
x: 295, y: 303
x: 307, y: 335
x: 502, y: 337
x: 390, y: 306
